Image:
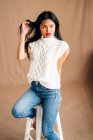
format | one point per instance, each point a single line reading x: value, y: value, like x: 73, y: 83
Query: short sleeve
x: 62, y: 48
x: 31, y: 45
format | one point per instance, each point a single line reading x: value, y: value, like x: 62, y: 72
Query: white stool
x: 38, y: 125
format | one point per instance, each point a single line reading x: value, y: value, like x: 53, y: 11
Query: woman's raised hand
x: 25, y: 27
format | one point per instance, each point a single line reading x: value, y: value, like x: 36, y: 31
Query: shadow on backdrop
x: 88, y: 79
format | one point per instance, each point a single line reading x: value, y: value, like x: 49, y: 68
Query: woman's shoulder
x: 63, y: 43
x: 34, y: 43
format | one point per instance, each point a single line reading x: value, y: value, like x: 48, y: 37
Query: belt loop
x: 36, y: 82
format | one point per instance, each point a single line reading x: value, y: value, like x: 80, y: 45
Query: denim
x: 50, y: 100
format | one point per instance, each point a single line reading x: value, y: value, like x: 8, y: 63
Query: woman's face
x: 47, y: 28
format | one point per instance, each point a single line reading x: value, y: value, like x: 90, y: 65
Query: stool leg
x: 38, y: 123
x: 27, y: 130
x: 58, y: 122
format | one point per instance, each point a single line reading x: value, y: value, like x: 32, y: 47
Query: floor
x: 76, y: 113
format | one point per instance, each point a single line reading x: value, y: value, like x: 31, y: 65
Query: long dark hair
x: 34, y: 31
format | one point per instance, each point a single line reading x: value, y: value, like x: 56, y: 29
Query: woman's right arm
x: 21, y: 54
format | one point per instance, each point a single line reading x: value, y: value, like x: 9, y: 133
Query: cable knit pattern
x: 43, y: 65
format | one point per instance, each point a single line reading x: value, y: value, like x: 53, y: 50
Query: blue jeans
x: 50, y: 100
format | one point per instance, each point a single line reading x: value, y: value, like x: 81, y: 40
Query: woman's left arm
x: 61, y: 60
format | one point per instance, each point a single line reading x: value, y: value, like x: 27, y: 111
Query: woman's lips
x: 48, y: 34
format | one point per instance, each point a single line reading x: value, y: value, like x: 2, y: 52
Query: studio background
x: 76, y: 20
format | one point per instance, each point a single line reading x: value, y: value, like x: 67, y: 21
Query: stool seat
x: 29, y: 122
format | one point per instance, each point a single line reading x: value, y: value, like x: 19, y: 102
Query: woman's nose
x: 48, y: 29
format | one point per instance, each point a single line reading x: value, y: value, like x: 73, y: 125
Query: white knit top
x: 43, y: 65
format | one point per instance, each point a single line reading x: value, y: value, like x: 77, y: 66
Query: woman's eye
x: 44, y: 27
x: 51, y: 26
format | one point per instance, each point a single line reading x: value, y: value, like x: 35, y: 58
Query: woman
x: 41, y: 42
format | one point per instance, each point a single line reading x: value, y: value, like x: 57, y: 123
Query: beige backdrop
x: 76, y: 19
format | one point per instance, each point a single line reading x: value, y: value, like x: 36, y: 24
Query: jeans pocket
x: 57, y: 95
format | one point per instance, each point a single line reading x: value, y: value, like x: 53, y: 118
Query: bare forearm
x: 21, y: 47
x: 64, y: 57
x: 61, y: 61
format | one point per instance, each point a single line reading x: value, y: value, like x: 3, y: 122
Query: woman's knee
x: 21, y: 112
x: 49, y: 133
x: 16, y: 112
x: 46, y: 130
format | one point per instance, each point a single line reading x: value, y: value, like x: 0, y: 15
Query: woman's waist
x: 45, y: 86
